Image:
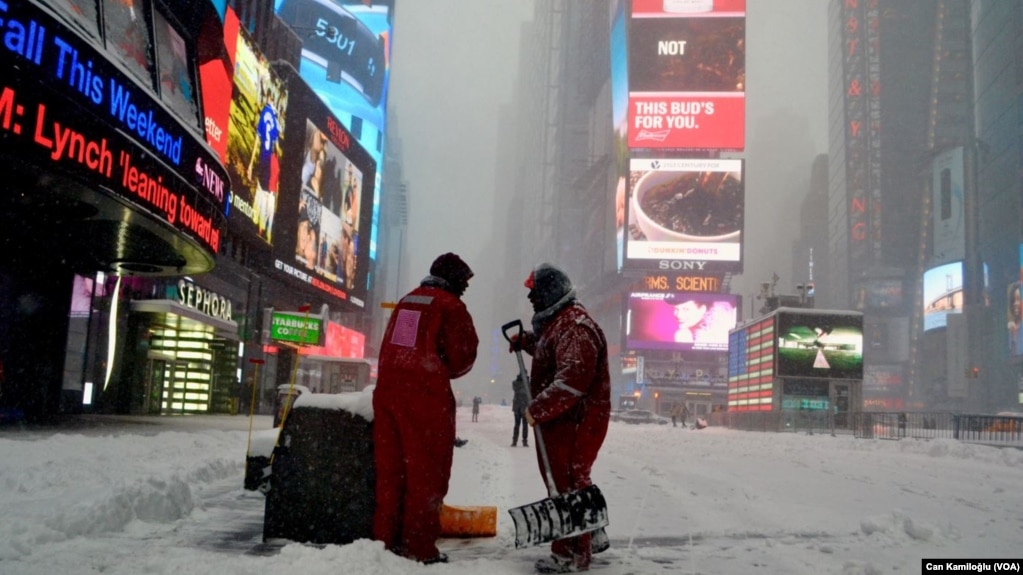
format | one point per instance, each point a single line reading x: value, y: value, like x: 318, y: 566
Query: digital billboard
x: 687, y: 74
x: 947, y: 201
x: 680, y: 321
x: 86, y: 116
x: 339, y: 341
x: 879, y: 294
x: 255, y: 140
x: 880, y: 380
x: 685, y: 214
x: 751, y: 366
x: 619, y: 105
x: 346, y: 46
x: 1014, y: 311
x: 820, y: 345
x: 325, y: 211
x: 943, y: 294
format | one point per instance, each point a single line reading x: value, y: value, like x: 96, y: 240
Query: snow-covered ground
x: 164, y: 496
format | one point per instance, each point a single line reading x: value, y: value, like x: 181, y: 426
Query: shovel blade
x: 565, y: 515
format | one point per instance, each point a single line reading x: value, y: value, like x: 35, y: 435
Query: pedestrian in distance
x: 430, y: 339
x: 520, y: 402
x: 571, y: 388
x: 679, y: 412
x: 476, y: 401
x: 676, y: 411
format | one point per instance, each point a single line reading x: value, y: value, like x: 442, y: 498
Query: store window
x: 177, y: 86
x: 128, y: 36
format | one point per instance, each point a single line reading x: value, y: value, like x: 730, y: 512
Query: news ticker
x: 970, y: 565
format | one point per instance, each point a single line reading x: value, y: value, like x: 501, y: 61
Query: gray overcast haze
x: 454, y: 63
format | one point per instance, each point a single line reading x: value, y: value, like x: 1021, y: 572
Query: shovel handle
x: 537, y: 436
x: 513, y: 323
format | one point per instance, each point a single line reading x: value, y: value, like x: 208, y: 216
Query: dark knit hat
x: 452, y: 269
x: 547, y: 284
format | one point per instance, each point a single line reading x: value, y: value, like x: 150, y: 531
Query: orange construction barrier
x: 470, y: 521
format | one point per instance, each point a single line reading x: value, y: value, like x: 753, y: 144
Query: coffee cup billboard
x: 685, y: 209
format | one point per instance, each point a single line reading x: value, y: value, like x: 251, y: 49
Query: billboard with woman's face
x: 1014, y: 311
x: 326, y: 201
x: 346, y: 47
x: 680, y: 321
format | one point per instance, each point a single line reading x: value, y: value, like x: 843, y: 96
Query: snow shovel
x: 562, y: 514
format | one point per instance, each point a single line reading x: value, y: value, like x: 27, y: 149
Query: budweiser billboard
x: 687, y: 74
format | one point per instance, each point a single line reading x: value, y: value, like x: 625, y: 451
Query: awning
x: 224, y: 327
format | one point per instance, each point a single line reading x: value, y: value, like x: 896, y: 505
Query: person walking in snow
x: 571, y: 389
x: 430, y: 339
x: 680, y: 411
x: 519, y: 404
x: 476, y: 401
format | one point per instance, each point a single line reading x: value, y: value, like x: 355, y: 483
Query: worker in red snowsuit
x: 430, y: 340
x: 571, y: 388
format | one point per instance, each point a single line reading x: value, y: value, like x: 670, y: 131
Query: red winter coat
x: 571, y: 388
x: 429, y: 341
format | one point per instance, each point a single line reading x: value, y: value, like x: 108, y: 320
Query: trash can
x: 321, y: 484
x: 285, y: 398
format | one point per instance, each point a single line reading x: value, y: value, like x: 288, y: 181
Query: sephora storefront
x: 107, y: 177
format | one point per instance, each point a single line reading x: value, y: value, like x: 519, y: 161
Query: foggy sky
x: 454, y: 65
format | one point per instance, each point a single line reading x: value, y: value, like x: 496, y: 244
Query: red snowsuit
x: 430, y: 340
x: 571, y: 388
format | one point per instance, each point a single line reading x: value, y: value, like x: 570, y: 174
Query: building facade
x: 155, y: 217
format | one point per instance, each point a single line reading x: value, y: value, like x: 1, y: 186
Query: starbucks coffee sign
x: 203, y: 300
x: 302, y: 329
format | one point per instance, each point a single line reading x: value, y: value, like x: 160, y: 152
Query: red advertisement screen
x: 687, y: 74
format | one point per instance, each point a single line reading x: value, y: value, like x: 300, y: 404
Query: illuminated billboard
x: 879, y: 294
x: 346, y: 46
x: 302, y: 329
x: 255, y: 140
x: 680, y: 321
x: 943, y: 294
x: 339, y: 341
x: 102, y: 128
x: 619, y: 105
x: 820, y: 345
x: 751, y: 366
x: 880, y: 380
x: 325, y: 207
x: 947, y: 201
x: 1014, y: 311
x: 687, y: 74
x: 685, y: 214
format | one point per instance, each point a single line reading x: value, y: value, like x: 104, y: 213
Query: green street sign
x: 295, y: 328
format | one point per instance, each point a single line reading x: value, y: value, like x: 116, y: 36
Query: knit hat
x: 453, y: 270
x: 547, y: 285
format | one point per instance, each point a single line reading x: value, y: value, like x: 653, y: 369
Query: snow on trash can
x: 321, y: 484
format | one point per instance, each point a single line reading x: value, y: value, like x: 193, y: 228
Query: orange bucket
x: 469, y: 521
